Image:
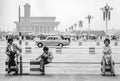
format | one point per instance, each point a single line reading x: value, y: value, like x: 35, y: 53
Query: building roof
x: 40, y: 18
x: 43, y: 18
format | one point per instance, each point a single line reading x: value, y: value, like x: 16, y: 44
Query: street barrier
x: 80, y: 43
x: 26, y: 43
x: 116, y: 43
x: 58, y: 50
x: 28, y: 49
x: 12, y: 68
x: 92, y: 50
x: 97, y: 43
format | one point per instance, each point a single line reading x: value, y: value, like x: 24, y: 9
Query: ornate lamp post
x: 72, y: 28
x: 106, y: 15
x: 80, y: 26
x: 75, y: 25
x: 89, y: 17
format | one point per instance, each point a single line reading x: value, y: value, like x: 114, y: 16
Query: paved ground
x: 60, y: 77
x: 65, y: 72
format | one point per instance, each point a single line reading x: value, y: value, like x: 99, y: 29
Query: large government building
x: 36, y: 25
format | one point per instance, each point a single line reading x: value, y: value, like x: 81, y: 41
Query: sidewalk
x: 51, y: 77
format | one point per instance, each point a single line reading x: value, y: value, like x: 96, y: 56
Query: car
x: 52, y: 41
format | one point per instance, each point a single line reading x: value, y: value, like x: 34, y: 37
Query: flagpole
x: 20, y: 43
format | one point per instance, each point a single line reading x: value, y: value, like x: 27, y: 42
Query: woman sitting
x: 107, y: 58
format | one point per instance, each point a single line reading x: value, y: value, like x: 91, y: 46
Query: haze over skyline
x: 67, y: 12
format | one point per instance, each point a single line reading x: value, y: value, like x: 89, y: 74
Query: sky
x: 67, y: 12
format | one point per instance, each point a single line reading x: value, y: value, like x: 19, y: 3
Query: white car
x: 52, y: 41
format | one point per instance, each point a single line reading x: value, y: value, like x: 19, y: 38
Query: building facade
x: 36, y: 25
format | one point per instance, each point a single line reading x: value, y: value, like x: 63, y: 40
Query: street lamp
x: 69, y: 29
x: 89, y: 17
x: 72, y: 29
x: 75, y: 25
x: 80, y: 26
x: 106, y: 15
x: 66, y: 30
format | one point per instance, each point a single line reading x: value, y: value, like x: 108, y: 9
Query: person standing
x: 12, y: 53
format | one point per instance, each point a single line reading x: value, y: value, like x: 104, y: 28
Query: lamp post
x: 106, y: 16
x: 69, y: 29
x: 72, y: 29
x: 80, y: 26
x: 75, y: 25
x: 66, y: 30
x: 89, y: 17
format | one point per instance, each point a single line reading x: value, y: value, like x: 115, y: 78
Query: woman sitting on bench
x: 107, y: 58
x: 45, y: 58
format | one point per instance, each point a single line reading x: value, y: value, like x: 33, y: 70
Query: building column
x: 44, y: 29
x: 40, y: 29
x: 37, y: 29
x: 48, y: 29
x: 52, y: 30
x: 34, y: 29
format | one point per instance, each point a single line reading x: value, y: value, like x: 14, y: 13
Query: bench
x: 56, y: 66
x: 34, y: 67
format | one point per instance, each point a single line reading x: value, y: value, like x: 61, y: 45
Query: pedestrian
x: 12, y: 53
x: 107, y: 58
x: 45, y: 58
